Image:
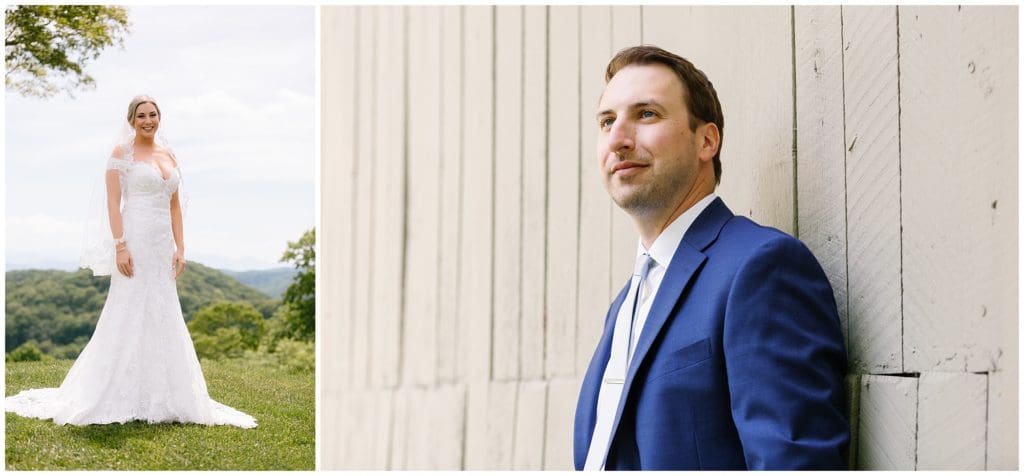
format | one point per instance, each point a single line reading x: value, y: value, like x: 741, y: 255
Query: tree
x: 226, y: 329
x: 48, y: 46
x: 300, y: 296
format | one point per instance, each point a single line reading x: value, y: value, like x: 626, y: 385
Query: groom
x: 724, y: 350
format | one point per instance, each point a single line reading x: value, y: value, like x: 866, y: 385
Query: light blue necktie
x: 617, y: 367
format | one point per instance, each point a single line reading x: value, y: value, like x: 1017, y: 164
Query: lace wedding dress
x: 140, y: 363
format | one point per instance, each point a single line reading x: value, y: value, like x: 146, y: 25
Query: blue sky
x: 236, y: 91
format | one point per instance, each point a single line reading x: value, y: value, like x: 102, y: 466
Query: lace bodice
x: 142, y: 183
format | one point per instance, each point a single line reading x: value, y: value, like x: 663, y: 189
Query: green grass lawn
x: 283, y: 404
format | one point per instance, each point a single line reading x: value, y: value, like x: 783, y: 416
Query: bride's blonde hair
x: 138, y: 101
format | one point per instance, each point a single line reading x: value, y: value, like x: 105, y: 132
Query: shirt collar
x: 664, y: 247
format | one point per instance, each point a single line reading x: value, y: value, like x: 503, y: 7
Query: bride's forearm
x: 114, y: 204
x: 176, y: 226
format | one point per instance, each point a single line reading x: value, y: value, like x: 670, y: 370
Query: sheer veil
x: 97, y: 239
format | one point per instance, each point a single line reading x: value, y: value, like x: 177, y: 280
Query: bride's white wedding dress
x: 140, y: 363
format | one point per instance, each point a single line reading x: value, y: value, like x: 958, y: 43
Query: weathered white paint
x: 888, y: 423
x: 535, y: 194
x: 951, y: 421
x: 872, y: 187
x: 558, y: 432
x: 451, y: 193
x: 508, y: 165
x: 531, y: 414
x: 477, y: 248
x: 388, y: 198
x: 821, y: 158
x: 420, y: 319
x: 337, y: 152
x: 563, y: 191
x: 955, y: 73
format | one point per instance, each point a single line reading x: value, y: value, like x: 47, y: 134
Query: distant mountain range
x: 59, y: 309
x: 271, y: 282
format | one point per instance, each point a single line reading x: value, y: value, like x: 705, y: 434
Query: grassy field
x: 283, y: 404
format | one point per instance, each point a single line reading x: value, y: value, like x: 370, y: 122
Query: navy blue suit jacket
x: 740, y: 364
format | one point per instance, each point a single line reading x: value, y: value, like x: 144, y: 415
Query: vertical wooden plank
x: 563, y: 187
x: 626, y: 24
x: 821, y: 156
x: 364, y: 205
x: 1001, y: 441
x: 508, y: 168
x: 888, y: 423
x: 594, y: 272
x: 381, y: 404
x: 477, y: 248
x: 389, y: 196
x: 528, y: 447
x: 491, y: 420
x: 419, y: 438
x: 873, y: 195
x: 960, y: 158
x: 448, y: 426
x: 436, y: 423
x: 337, y: 219
x: 451, y: 192
x: 754, y: 80
x: 559, y: 425
x: 423, y: 214
x: 533, y: 284
x: 332, y: 430
x: 951, y: 421
x: 401, y: 412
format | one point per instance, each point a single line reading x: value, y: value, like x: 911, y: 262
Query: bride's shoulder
x: 118, y: 152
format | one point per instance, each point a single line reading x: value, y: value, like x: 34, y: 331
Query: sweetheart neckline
x: 157, y: 169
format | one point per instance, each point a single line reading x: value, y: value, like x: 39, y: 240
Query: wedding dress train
x: 140, y: 363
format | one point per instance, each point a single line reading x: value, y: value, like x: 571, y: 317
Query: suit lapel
x: 686, y: 263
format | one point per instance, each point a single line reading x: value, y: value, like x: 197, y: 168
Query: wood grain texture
x: 508, y: 187
x: 451, y: 193
x: 562, y: 396
x: 402, y: 409
x: 388, y: 197
x: 594, y: 271
x: 951, y: 421
x: 754, y: 81
x: 873, y: 188
x: 422, y: 246
x: 563, y: 189
x: 626, y: 24
x: 476, y: 261
x: 364, y: 205
x: 490, y: 427
x: 821, y: 155
x: 337, y: 193
x: 959, y: 119
x: 1001, y: 443
x: 435, y: 428
x: 888, y: 422
x: 531, y: 415
x: 535, y: 194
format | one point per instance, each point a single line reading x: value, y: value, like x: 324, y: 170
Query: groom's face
x: 647, y: 154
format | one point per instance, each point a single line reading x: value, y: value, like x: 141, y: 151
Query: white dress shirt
x: 661, y: 251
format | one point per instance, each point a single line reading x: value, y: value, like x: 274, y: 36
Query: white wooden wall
x: 469, y: 251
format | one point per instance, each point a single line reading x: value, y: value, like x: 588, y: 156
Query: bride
x: 140, y: 363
